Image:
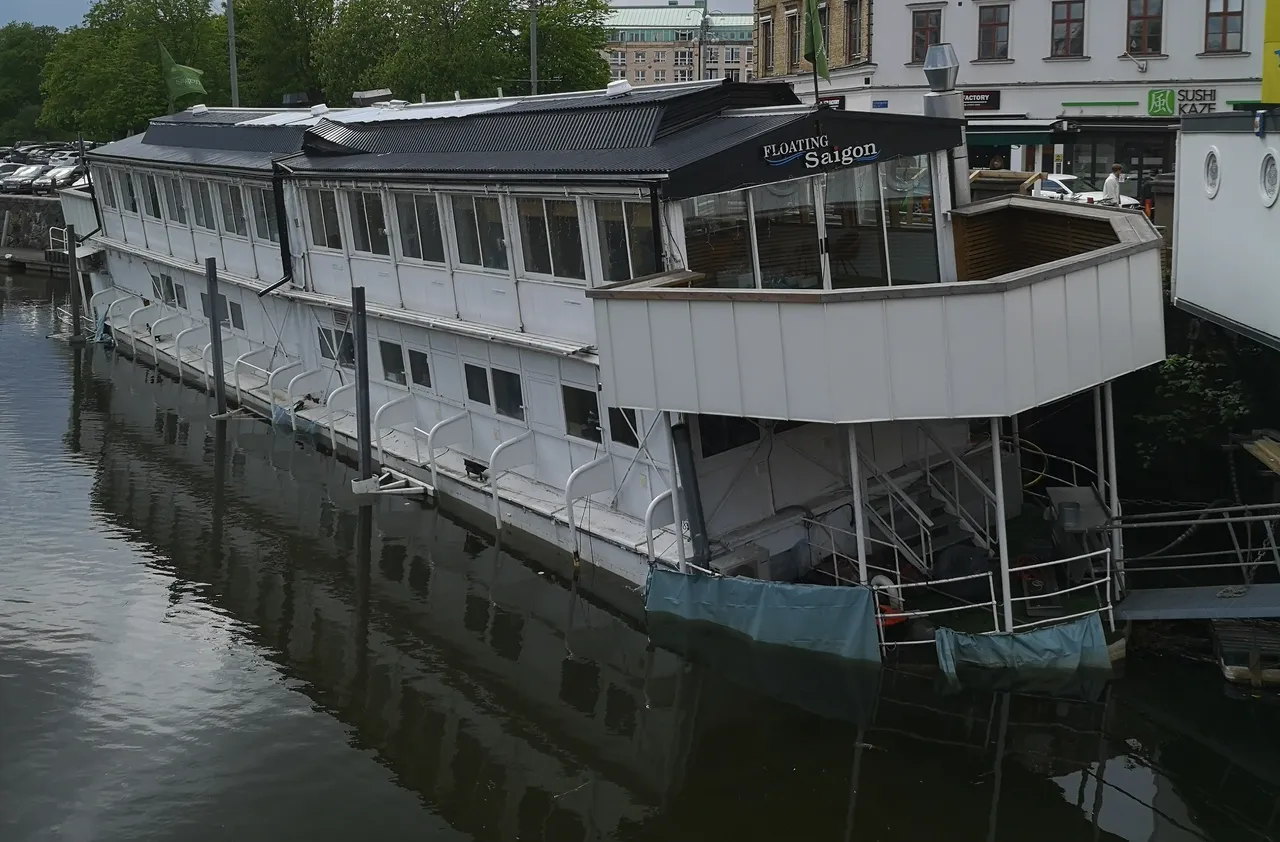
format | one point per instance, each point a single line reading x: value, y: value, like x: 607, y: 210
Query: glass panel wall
x: 717, y: 238
x: 908, y: 202
x: 855, y: 228
x: 787, y: 235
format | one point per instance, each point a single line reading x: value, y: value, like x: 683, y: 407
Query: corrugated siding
x: 280, y: 139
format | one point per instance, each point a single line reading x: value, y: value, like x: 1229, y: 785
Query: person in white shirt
x: 1111, y: 189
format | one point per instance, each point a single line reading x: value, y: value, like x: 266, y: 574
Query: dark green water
x: 204, y: 637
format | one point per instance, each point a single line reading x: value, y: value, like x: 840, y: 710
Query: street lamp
x: 941, y: 67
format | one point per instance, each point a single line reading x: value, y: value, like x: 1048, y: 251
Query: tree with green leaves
x: 104, y: 77
x: 23, y: 50
x: 276, y: 48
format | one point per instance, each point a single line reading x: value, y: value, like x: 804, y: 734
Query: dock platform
x: 1215, y: 602
x: 14, y: 259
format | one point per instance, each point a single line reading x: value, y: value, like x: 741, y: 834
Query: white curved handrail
x: 243, y: 359
x: 155, y: 334
x: 133, y: 337
x: 377, y: 424
x: 510, y: 454
x: 288, y: 393
x: 206, y: 364
x: 652, y: 511
x: 177, y: 342
x: 93, y: 307
x: 433, y: 437
x: 328, y: 413
x: 584, y: 482
x: 271, y: 379
x: 111, y: 308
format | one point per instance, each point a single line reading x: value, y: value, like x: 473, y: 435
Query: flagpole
x: 231, y: 52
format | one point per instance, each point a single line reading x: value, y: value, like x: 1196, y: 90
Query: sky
x: 64, y: 13
x: 59, y: 13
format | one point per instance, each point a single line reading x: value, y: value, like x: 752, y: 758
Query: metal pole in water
x: 73, y: 274
x: 364, y: 424
x: 215, y: 335
x: 997, y: 467
x: 859, y: 516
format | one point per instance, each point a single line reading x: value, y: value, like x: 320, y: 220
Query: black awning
x: 813, y: 142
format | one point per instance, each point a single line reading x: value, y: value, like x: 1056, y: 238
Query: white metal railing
x: 1104, y: 598
x: 923, y: 560
x: 1249, y: 557
x: 881, y: 614
x: 838, y: 556
x: 1058, y: 469
x: 983, y: 529
x: 57, y: 239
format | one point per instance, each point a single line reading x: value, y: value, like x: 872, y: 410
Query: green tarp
x: 1067, y: 647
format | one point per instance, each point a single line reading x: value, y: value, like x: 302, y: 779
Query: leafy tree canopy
x: 23, y: 50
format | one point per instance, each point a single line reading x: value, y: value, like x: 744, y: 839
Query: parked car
x: 9, y: 169
x: 22, y: 180
x: 57, y: 178
x: 1073, y: 188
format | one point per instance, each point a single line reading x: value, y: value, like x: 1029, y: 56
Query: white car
x: 1072, y: 188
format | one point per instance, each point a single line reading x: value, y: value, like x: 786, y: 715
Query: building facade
x: 1067, y: 86
x: 655, y: 45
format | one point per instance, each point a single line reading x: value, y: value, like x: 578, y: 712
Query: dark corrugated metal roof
x: 279, y: 139
x: 222, y: 116
x: 133, y: 149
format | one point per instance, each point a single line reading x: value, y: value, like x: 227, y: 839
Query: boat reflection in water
x: 515, y: 706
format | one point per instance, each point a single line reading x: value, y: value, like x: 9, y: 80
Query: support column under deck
x: 676, y: 505
x: 1117, y: 533
x: 859, y: 516
x: 1099, y: 449
x: 1002, y: 532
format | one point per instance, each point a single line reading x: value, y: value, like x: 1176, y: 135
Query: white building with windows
x: 1056, y: 85
x: 655, y: 45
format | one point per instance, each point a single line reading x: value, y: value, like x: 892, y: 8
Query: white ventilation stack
x: 317, y: 110
x: 618, y: 87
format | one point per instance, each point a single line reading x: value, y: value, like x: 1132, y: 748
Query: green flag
x: 180, y: 79
x: 815, y: 46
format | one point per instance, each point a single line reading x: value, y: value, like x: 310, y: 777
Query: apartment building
x: 653, y: 45
x: 1061, y: 85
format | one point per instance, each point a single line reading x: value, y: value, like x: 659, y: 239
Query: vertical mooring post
x: 215, y: 335
x: 364, y: 424
x: 73, y: 275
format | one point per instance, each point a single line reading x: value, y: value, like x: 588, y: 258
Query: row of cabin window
x: 174, y: 294
x: 168, y: 197
x: 551, y: 236
x: 497, y: 388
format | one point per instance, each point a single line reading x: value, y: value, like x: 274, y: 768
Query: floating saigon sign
x: 818, y: 152
x: 1174, y: 102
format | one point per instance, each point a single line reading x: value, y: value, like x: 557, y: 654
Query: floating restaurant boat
x: 597, y: 315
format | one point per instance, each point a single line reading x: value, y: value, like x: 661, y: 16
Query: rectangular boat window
x: 626, y: 240
x: 233, y: 218
x: 126, y: 191
x: 419, y: 369
x: 170, y: 294
x: 551, y: 237
x: 157, y: 288
x: 175, y: 203
x: 368, y: 224
x: 508, y: 395
x: 202, y: 205
x: 477, y: 383
x: 180, y: 293
x: 718, y: 433
x: 150, y: 196
x: 420, y: 235
x: 322, y: 211
x: 717, y: 237
x: 581, y: 413
x: 264, y: 214
x: 338, y: 346
x: 623, y: 426
x: 392, y: 362
x: 104, y: 179
x: 481, y: 238
x: 787, y: 235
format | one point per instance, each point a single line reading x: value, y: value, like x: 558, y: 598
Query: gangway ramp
x: 1214, y: 602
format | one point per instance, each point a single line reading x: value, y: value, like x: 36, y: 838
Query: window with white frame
x: 419, y: 368
x: 733, y: 74
x: 551, y: 237
x: 711, y: 55
x: 228, y: 312
x: 581, y: 412
x: 127, y: 192
x: 617, y: 73
x: 174, y: 200
x: 623, y: 426
x: 482, y: 241
x: 477, y: 380
x: 150, y: 196
x: 659, y: 76
x: 368, y: 223
x: 638, y: 56
x: 508, y: 394
x: 732, y: 55
x: 322, y: 213
x: 265, y: 224
x: 625, y: 230
x: 711, y: 73
x: 683, y: 74
x: 337, y: 345
x: 420, y: 235
x: 103, y: 179
x: 660, y: 55
x: 202, y: 205
x: 164, y: 289
x: 684, y: 58
x: 393, y: 370
x: 639, y: 75
x: 232, y: 202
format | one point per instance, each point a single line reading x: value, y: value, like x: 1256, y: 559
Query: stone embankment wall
x: 25, y: 221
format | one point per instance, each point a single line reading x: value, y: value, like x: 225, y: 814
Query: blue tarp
x: 1077, y: 645
x: 820, y: 618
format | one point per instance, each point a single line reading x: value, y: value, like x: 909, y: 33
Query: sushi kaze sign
x: 817, y: 151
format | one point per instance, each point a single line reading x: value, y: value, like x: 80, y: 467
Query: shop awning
x: 1009, y: 132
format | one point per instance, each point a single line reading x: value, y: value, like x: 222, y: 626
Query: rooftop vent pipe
x: 618, y: 87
